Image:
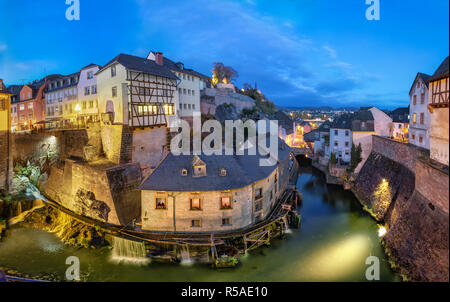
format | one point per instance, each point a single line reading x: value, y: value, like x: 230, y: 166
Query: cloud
x: 288, y: 66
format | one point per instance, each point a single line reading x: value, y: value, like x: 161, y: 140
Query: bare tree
x: 223, y: 74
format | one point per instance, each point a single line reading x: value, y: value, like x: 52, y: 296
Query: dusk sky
x: 299, y: 52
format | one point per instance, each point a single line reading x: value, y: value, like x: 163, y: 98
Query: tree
x: 333, y: 159
x: 223, y: 74
x: 355, y: 156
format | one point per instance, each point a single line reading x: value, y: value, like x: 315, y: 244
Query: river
x: 335, y: 238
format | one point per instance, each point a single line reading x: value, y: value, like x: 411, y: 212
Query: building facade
x: 341, y: 138
x: 187, y: 96
x: 419, y: 122
x: 31, y: 106
x: 438, y: 107
x: 190, y: 193
x: 15, y: 99
x: 400, y: 124
x: 5, y: 138
x: 87, y: 103
x: 61, y: 100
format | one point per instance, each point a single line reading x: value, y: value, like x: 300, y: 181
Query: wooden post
x: 245, y: 244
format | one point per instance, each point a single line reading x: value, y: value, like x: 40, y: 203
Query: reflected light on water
x: 382, y: 231
x: 339, y: 259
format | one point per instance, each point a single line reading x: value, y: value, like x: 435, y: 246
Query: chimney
x: 159, y: 58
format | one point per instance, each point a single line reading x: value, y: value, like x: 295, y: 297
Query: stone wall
x: 34, y: 146
x: 409, y: 193
x: 5, y: 161
x: 102, y: 191
x: 404, y: 154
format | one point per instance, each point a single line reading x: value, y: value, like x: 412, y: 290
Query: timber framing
x: 151, y: 99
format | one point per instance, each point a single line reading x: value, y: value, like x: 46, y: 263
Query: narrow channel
x: 335, y: 238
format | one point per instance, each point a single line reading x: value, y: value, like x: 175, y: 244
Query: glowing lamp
x: 77, y: 107
x: 382, y: 231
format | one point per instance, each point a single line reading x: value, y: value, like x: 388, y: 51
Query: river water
x: 334, y: 240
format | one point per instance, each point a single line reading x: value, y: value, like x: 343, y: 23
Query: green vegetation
x: 333, y: 159
x: 355, y: 156
x: 261, y: 103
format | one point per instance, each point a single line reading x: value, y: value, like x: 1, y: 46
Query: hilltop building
x: 438, y: 104
x: 419, y: 123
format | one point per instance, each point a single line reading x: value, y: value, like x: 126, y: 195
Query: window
x: 22, y: 107
x: 418, y: 84
x: 422, y: 98
x: 185, y: 106
x: 413, y: 136
x: 193, y: 92
x: 335, y: 132
x: 84, y: 104
x: 179, y: 90
x: 30, y: 106
x: 193, y: 106
x: 94, y: 89
x: 258, y: 205
x: 347, y: 144
x: 90, y: 75
x: 414, y: 118
x: 414, y: 99
x: 196, y: 223
x: 30, y: 116
x: 113, y: 71
x: 184, y: 172
x: 91, y: 104
x: 223, y: 172
x: 22, y: 117
x: 336, y: 143
x: 347, y: 132
x: 420, y: 139
x: 195, y: 204
x: 226, y: 221
x: 347, y: 152
x: 422, y: 118
x: 87, y: 90
x: 184, y: 90
x: 225, y: 203
x: 114, y: 91
x: 161, y: 203
x: 258, y: 193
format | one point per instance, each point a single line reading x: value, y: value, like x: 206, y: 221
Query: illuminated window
x: 184, y: 172
x: 420, y: 139
x: 223, y: 172
x: 414, y: 118
x: 161, y: 203
x: 226, y: 221
x: 196, y: 223
x: 30, y: 106
x: 195, y: 204
x: 225, y: 203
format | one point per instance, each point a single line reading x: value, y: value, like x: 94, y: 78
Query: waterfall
x: 286, y: 226
x: 185, y: 255
x: 128, y: 251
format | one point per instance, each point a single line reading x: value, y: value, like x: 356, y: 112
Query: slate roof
x: 425, y: 77
x: 91, y: 65
x: 62, y: 77
x: 284, y: 121
x: 325, y: 127
x: 242, y: 171
x: 354, y: 122
x: 312, y: 136
x: 15, y: 90
x: 442, y: 71
x: 141, y: 64
x: 343, y: 121
x: 400, y: 115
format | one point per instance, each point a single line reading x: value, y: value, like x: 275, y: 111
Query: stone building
x: 190, y: 193
x: 191, y: 82
x: 87, y: 110
x: 438, y: 104
x: 5, y: 138
x: 400, y: 124
x: 15, y: 99
x: 419, y: 121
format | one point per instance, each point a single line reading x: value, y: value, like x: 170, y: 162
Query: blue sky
x: 299, y: 52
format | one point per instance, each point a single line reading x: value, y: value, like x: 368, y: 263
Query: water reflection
x: 334, y: 240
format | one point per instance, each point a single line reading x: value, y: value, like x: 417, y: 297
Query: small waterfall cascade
x: 128, y: 251
x: 185, y: 255
x: 287, y: 230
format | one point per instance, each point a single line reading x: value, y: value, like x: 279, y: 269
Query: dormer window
x: 184, y: 172
x: 198, y: 166
x: 223, y: 172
